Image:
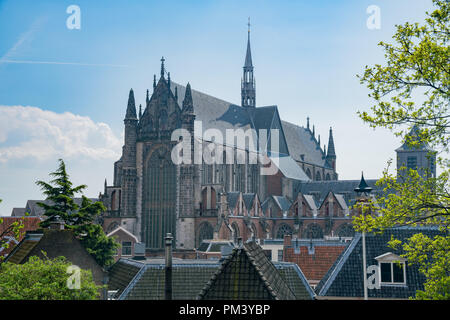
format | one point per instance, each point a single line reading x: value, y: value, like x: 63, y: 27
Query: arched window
x: 327, y: 177
x: 283, y: 230
x: 113, y: 200
x: 159, y: 205
x: 313, y: 231
x: 318, y: 177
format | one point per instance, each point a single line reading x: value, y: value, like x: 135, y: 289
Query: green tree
x: 411, y: 93
x: 79, y: 218
x: 45, y: 279
x: 13, y: 230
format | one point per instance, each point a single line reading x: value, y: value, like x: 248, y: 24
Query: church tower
x: 248, y: 94
x: 128, y: 183
x: 418, y: 157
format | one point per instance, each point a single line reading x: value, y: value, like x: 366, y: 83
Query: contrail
x: 63, y: 63
x: 23, y: 37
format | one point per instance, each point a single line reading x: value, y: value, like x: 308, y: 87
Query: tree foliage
x: 44, y: 279
x: 13, y: 230
x: 79, y: 218
x: 417, y: 69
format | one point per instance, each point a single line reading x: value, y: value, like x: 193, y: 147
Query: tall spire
x: 331, y: 154
x: 154, y: 82
x: 248, y: 56
x: 140, y: 111
x: 147, y: 99
x: 248, y: 92
x: 188, y: 105
x: 131, y: 108
x: 331, y: 151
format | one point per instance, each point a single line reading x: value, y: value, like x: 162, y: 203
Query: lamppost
x: 363, y: 191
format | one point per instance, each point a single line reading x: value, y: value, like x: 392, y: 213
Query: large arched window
x: 113, y: 200
x: 328, y: 177
x: 283, y: 230
x: 159, y: 198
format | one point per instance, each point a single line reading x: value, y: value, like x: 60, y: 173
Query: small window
x: 392, y: 268
x: 392, y: 273
x: 385, y: 270
x: 411, y: 163
x: 280, y: 255
x: 126, y: 248
x: 397, y: 272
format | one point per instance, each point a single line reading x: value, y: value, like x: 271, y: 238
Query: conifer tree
x: 81, y: 219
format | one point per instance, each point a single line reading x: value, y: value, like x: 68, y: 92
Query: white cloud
x: 30, y: 132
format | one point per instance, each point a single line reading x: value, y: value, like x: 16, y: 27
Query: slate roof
x: 232, y: 198
x: 300, y: 141
x: 322, y: 188
x: 289, y: 168
x: 247, y: 273
x: 344, y: 279
x: 144, y: 280
x: 36, y: 211
x: 121, y: 274
x: 18, y: 212
x: 283, y: 203
x: 219, y: 114
x: 248, y: 199
x: 414, y: 136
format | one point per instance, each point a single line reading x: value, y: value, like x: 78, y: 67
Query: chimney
x: 168, y: 268
x: 56, y: 224
x: 287, y: 240
x: 139, y: 251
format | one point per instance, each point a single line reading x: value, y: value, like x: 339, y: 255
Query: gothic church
x: 151, y: 195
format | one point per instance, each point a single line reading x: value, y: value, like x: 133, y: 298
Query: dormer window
x: 392, y: 269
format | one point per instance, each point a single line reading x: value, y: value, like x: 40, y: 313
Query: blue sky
x: 63, y: 92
